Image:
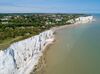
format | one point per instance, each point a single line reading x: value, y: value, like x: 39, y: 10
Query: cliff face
x: 22, y: 56
x: 86, y: 19
x: 80, y: 20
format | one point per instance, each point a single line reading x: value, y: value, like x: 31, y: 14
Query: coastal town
x: 15, y: 27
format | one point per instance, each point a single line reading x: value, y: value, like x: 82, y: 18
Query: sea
x: 76, y: 50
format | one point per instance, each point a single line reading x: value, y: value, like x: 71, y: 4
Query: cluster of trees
x: 28, y: 25
x: 10, y: 32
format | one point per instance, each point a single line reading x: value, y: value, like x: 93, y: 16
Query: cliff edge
x: 21, y: 57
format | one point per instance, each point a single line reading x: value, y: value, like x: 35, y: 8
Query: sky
x: 49, y: 6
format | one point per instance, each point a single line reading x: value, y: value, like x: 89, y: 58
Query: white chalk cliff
x: 84, y: 19
x: 21, y: 57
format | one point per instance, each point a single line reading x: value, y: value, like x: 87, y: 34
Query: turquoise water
x: 76, y: 50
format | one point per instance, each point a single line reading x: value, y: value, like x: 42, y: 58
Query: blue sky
x: 50, y: 6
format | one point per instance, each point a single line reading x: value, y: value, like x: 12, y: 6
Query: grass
x: 6, y: 43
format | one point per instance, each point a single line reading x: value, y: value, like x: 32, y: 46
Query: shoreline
x: 41, y: 66
x: 33, y: 61
x: 46, y: 49
x: 38, y: 68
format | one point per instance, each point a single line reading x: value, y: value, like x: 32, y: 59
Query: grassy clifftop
x: 15, y: 27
